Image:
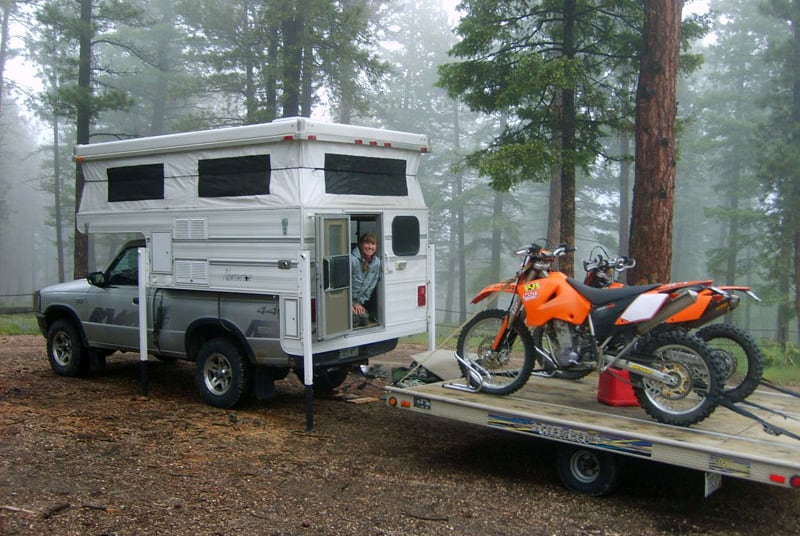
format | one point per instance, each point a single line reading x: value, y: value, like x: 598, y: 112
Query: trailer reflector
x: 422, y: 298
x: 795, y: 481
x: 778, y: 479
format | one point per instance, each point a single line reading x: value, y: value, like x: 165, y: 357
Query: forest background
x: 485, y: 84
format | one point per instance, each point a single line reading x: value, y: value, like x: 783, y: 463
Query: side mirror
x: 98, y: 279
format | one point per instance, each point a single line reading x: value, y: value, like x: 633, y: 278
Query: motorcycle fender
x: 488, y: 290
x: 670, y: 287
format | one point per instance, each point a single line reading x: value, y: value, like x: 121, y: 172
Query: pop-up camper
x: 224, y: 214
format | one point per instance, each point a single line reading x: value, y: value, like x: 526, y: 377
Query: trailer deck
x: 726, y: 444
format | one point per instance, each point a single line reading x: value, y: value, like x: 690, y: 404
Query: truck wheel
x: 222, y: 373
x: 65, y: 350
x: 589, y: 471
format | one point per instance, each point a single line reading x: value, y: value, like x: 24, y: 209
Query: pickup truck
x: 234, y: 338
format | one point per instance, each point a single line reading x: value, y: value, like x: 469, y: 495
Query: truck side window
x: 125, y: 270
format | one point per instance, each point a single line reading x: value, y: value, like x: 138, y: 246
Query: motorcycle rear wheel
x: 501, y: 371
x: 742, y: 359
x: 699, y: 373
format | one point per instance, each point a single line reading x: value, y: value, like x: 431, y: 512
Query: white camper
x: 224, y: 214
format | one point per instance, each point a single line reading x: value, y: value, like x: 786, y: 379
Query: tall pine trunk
x: 654, y: 186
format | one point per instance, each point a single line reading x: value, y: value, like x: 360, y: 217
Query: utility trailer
x: 594, y: 437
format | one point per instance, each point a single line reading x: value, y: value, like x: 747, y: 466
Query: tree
x: 780, y: 166
x: 656, y: 106
x: 548, y: 66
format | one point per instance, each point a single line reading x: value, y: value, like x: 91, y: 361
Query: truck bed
x: 725, y: 444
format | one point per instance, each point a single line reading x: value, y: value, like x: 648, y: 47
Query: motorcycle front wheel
x: 741, y: 358
x: 501, y: 371
x: 698, y: 375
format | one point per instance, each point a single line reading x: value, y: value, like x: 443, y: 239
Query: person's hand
x: 359, y: 309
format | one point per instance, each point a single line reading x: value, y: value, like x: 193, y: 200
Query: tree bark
x: 84, y: 113
x: 654, y: 186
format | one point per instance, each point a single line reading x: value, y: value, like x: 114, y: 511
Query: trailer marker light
x: 359, y: 142
x: 421, y: 296
x: 405, y: 404
x: 387, y: 144
x: 312, y: 137
x: 373, y: 143
x: 795, y: 481
x: 392, y: 401
x: 778, y: 479
x: 288, y: 137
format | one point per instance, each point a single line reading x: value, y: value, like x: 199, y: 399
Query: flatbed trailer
x: 595, y: 437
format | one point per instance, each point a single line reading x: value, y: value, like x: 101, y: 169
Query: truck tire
x: 589, y: 471
x: 65, y: 350
x: 222, y: 373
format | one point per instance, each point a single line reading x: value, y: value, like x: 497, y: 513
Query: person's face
x: 368, y: 248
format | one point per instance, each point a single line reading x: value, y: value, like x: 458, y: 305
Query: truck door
x: 334, y: 314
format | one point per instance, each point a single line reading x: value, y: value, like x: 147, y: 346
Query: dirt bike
x: 676, y: 377
x: 741, y: 357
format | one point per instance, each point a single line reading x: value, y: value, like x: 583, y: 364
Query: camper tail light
x: 422, y: 296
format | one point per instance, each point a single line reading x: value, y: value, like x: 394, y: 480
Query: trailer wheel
x: 589, y: 471
x: 222, y: 374
x: 325, y: 378
x: 65, y: 350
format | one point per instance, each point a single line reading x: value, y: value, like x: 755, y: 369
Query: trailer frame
x: 595, y: 437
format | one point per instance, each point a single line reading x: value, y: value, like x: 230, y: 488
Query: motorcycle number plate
x: 644, y: 307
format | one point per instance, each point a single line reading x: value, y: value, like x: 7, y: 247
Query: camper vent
x: 191, y: 272
x: 191, y: 228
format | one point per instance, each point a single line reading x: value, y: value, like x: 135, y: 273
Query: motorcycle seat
x: 602, y: 296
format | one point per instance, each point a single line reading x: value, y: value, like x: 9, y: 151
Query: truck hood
x: 76, y: 286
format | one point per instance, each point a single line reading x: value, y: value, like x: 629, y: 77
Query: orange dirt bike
x: 676, y: 377
x: 741, y: 357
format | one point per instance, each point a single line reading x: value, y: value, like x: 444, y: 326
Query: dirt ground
x: 91, y: 456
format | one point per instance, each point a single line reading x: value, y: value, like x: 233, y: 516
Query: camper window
x: 235, y: 176
x: 405, y: 236
x: 135, y: 183
x: 360, y: 175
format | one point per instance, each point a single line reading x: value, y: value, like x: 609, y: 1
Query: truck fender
x: 56, y: 312
x: 204, y: 329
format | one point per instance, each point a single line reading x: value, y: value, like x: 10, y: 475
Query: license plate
x: 344, y: 353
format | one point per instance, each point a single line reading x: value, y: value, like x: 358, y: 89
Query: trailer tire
x: 325, y: 378
x: 588, y: 471
x: 65, y: 350
x: 222, y: 373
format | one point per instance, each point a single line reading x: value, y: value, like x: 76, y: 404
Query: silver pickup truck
x: 234, y: 338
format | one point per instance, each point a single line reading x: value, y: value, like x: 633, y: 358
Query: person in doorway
x: 365, y: 269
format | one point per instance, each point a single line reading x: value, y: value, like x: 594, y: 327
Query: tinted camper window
x: 360, y: 175
x: 135, y: 183
x: 234, y: 176
x: 405, y: 236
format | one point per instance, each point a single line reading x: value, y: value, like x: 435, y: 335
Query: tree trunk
x: 654, y: 187
x: 568, y: 146
x: 4, y: 49
x: 794, y: 202
x: 292, y: 65
x: 84, y: 112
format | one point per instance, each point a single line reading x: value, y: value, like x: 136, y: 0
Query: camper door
x: 334, y: 314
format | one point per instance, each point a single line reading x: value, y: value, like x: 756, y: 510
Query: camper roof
x: 295, y: 128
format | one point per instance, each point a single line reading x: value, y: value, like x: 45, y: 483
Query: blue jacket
x: 363, y: 283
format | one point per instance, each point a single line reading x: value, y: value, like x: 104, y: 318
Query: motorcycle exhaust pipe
x: 682, y: 301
